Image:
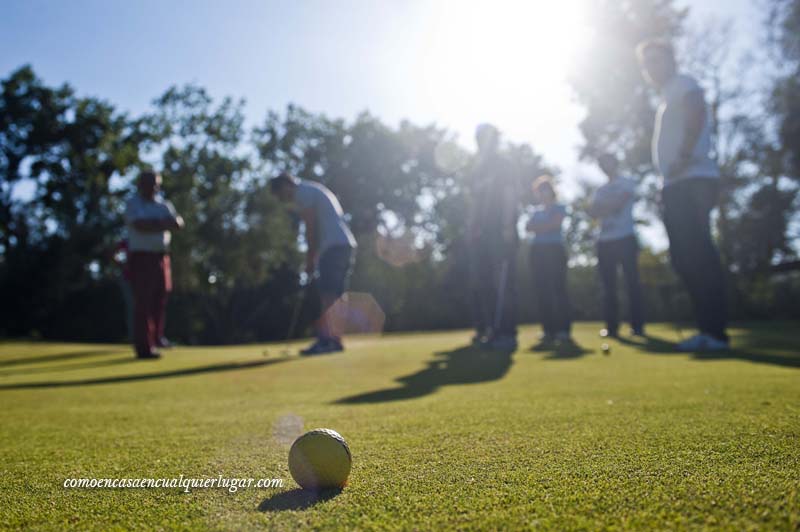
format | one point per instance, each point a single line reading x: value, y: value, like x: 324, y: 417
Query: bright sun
x: 505, y: 61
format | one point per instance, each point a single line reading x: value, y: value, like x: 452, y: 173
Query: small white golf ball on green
x: 606, y: 349
x: 320, y: 459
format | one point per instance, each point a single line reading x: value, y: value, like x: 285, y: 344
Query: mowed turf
x: 442, y: 436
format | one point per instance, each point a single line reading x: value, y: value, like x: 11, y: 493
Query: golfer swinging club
x: 330, y: 250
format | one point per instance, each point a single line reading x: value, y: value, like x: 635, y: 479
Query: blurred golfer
x: 493, y: 242
x: 549, y: 262
x: 150, y: 220
x: 330, y: 255
x: 681, y: 147
x: 617, y: 246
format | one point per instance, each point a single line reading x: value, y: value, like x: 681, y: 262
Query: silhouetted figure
x: 617, y: 246
x: 150, y: 220
x: 330, y: 254
x: 492, y: 241
x: 681, y: 147
x: 549, y: 263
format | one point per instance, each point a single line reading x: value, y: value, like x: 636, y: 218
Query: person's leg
x: 143, y: 277
x: 542, y: 285
x: 561, y: 305
x: 163, y: 288
x: 607, y: 270
x: 712, y: 318
x: 478, y: 272
x: 335, y: 267
x: 694, y: 257
x: 506, y: 320
x: 629, y: 257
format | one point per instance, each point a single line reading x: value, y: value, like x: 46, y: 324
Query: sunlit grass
x: 442, y: 436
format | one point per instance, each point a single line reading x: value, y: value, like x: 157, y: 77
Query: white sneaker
x: 702, y: 342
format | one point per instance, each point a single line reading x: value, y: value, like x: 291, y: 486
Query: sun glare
x: 505, y: 61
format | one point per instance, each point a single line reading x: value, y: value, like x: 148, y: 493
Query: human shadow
x: 59, y: 357
x: 67, y: 367
x: 185, y: 372
x: 296, y: 499
x: 751, y: 346
x: 569, y: 350
x: 465, y: 365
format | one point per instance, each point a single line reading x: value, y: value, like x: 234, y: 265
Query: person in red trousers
x: 150, y: 220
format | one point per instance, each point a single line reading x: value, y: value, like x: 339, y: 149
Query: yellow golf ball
x: 320, y: 459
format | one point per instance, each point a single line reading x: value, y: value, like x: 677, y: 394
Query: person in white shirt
x: 150, y: 220
x: 681, y: 155
x: 617, y: 246
x: 330, y: 255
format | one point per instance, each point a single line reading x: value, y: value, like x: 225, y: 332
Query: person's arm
x: 309, y: 218
x: 172, y: 222
x: 156, y: 225
x: 553, y: 222
x: 694, y: 109
x: 610, y: 205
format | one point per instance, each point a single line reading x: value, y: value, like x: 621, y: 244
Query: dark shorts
x: 335, y: 267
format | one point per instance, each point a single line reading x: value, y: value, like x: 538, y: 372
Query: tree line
x: 67, y: 164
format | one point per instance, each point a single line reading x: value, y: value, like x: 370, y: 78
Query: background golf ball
x: 606, y: 349
x: 320, y: 459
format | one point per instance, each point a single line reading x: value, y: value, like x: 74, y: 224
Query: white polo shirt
x: 139, y: 208
x: 669, y: 132
x: 333, y: 230
x: 618, y: 224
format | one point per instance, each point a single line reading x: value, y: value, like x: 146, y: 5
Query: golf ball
x: 606, y: 349
x: 320, y: 459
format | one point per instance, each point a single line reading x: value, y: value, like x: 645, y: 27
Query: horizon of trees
x: 236, y: 265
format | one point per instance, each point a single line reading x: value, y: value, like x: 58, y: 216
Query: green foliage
x: 236, y: 264
x: 609, y: 84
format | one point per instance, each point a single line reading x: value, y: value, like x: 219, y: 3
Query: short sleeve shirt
x: 620, y: 223
x: 545, y: 215
x: 333, y: 230
x: 669, y: 132
x: 139, y: 208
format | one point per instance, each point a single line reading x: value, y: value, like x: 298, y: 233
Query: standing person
x: 150, y: 220
x: 549, y: 262
x: 493, y: 242
x: 681, y: 147
x: 330, y: 254
x: 617, y: 246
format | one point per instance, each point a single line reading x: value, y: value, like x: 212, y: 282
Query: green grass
x: 442, y: 436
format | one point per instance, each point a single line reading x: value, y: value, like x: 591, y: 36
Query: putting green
x: 441, y: 435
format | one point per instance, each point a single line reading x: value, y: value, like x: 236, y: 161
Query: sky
x: 455, y: 63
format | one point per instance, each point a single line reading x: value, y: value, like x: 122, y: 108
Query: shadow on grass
x: 752, y: 346
x: 60, y: 357
x: 561, y: 351
x: 67, y: 367
x: 231, y: 366
x: 465, y: 365
x: 296, y: 499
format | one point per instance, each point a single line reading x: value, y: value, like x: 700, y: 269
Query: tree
x: 69, y: 150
